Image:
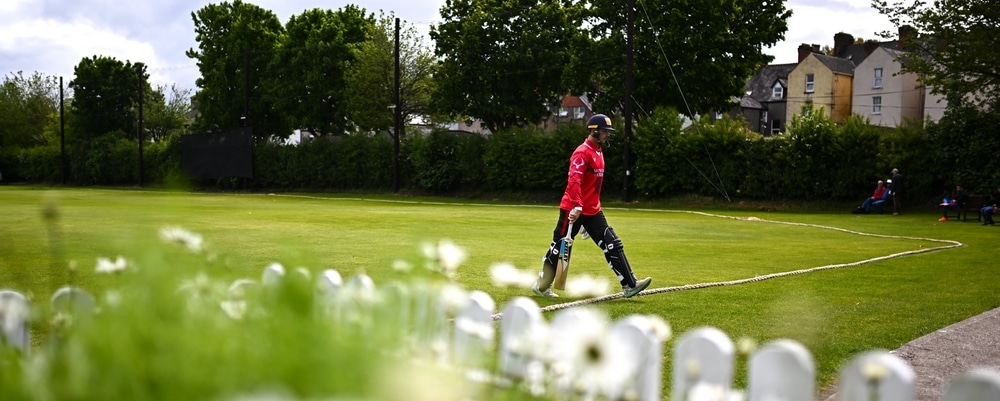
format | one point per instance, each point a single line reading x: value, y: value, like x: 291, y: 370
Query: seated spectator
x: 866, y: 207
x: 889, y: 192
x: 956, y: 203
x: 990, y: 208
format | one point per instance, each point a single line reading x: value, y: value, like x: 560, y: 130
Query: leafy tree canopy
x: 27, y: 105
x: 371, y: 77
x: 308, y: 70
x: 691, y: 55
x: 502, y: 61
x: 105, y: 94
x: 236, y: 42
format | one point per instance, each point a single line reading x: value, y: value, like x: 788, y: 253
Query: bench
x: 972, y: 206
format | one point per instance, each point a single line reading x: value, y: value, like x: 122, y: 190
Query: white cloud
x: 815, y: 22
x: 59, y: 46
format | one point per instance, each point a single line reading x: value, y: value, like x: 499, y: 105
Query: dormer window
x: 777, y: 92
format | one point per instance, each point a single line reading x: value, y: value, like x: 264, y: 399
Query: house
x: 764, y: 105
x: 571, y: 109
x: 824, y: 82
x: 883, y: 95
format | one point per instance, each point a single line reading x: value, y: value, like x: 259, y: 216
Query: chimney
x: 906, y: 34
x: 870, y: 46
x: 815, y: 48
x: 804, y: 51
x: 840, y: 42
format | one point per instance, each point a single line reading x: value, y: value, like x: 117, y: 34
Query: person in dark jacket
x: 897, y: 190
x: 956, y: 203
x: 990, y: 208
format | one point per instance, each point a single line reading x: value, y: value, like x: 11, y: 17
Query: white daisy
x: 182, y: 236
x: 583, y: 286
x: 105, y: 265
x: 450, y: 256
x: 506, y: 275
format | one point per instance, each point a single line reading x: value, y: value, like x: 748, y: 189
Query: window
x: 810, y: 83
x: 877, y: 83
x: 777, y: 92
x: 776, y: 127
x: 877, y: 105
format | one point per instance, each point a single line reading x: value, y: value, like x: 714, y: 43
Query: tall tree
x: 502, y: 60
x: 166, y: 111
x: 692, y: 55
x: 27, y: 105
x: 308, y: 70
x: 952, y: 46
x: 105, y: 95
x: 371, y: 78
x: 236, y: 41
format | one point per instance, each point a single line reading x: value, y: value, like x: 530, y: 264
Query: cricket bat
x: 562, y: 265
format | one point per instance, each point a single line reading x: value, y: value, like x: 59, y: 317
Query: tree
x: 27, y: 105
x: 309, y: 67
x: 166, y: 112
x: 105, y: 94
x: 691, y: 55
x: 951, y: 45
x: 502, y: 60
x: 236, y: 42
x: 371, y: 78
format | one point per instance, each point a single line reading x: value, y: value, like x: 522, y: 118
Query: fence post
x: 703, y: 356
x: 643, y: 347
x: 73, y: 301
x: 877, y: 375
x: 975, y: 385
x: 474, y: 331
x: 14, y: 312
x: 521, y: 319
x: 781, y: 370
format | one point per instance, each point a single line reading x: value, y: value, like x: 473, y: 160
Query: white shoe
x: 547, y: 293
x: 640, y: 285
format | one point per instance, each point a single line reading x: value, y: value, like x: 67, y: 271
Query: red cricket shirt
x: 586, y: 174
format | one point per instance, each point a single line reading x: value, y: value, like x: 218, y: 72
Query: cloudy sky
x: 52, y: 36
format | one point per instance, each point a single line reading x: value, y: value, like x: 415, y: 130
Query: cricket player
x: 581, y: 205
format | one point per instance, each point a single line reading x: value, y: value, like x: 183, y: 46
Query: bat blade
x: 562, y: 265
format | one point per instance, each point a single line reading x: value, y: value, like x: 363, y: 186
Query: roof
x: 759, y: 86
x: 856, y: 53
x: 836, y: 64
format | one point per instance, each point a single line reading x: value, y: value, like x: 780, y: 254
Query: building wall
x: 934, y: 105
x: 902, y: 98
x: 843, y: 88
x: 823, y: 89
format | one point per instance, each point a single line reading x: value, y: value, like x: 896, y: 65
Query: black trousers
x: 602, y: 235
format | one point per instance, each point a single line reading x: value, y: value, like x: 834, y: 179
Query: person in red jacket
x: 866, y: 207
x: 581, y: 205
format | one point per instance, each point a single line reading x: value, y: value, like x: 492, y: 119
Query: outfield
x: 836, y: 312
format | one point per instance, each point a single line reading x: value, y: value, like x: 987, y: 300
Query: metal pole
x: 397, y: 119
x: 62, y: 131
x: 140, y: 78
x: 630, y: 17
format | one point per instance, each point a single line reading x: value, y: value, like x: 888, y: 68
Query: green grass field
x: 836, y: 313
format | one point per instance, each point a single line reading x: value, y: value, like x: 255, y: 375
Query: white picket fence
x: 578, y: 354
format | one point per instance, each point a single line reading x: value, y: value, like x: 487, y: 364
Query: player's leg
x: 614, y: 253
x: 549, y: 261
